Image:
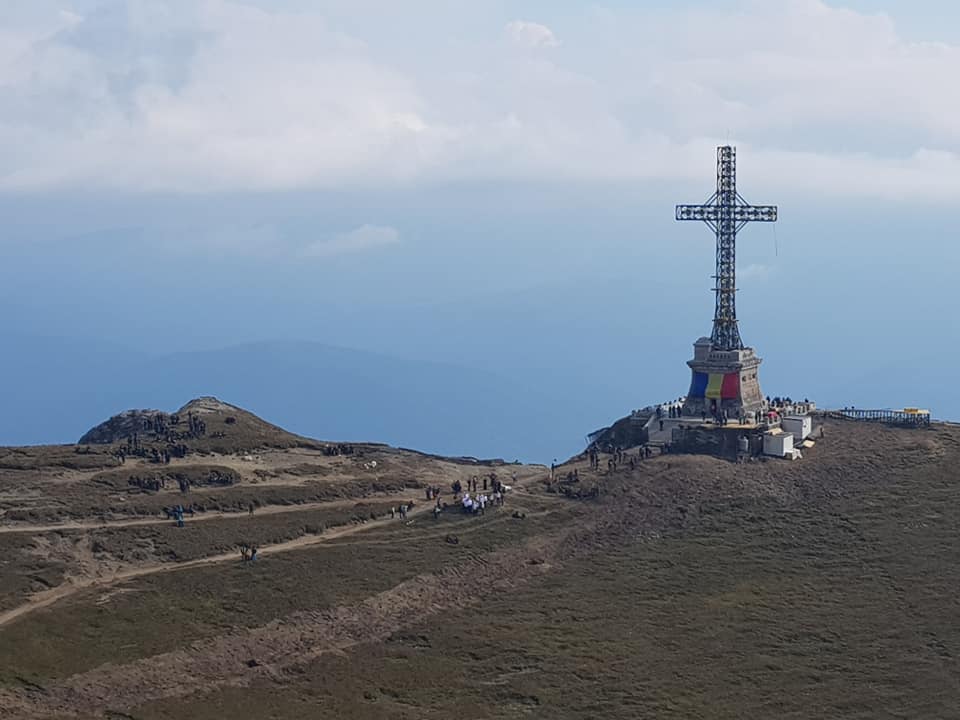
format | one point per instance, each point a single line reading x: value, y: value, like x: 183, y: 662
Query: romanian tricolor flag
x: 715, y: 386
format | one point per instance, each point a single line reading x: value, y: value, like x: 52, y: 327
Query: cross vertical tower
x: 726, y: 213
x: 724, y: 370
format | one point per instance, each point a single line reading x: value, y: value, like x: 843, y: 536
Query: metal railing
x: 911, y: 418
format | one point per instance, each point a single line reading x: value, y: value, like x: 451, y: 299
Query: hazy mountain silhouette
x: 55, y: 390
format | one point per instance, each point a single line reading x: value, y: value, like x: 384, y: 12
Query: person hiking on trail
x: 251, y: 508
x: 253, y: 553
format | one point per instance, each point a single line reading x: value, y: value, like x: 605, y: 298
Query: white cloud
x: 70, y: 18
x: 755, y: 271
x: 367, y: 237
x: 530, y: 35
x: 224, y: 96
x: 161, y: 95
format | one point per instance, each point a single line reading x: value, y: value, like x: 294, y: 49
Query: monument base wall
x: 723, y: 382
x: 721, y: 442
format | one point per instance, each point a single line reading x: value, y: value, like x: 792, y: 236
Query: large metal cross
x: 726, y: 213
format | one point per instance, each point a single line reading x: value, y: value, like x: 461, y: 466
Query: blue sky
x: 489, y: 185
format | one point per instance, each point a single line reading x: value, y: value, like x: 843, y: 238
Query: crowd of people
x: 163, y: 429
x: 718, y: 415
x: 156, y: 483
x: 401, y: 510
x: 479, y: 493
x: 618, y: 456
x: 338, y: 449
x: 477, y: 504
x: 152, y: 483
x: 673, y: 409
x: 177, y: 512
x: 134, y: 447
x: 482, y: 491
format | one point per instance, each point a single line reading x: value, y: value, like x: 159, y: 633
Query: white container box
x: 800, y: 426
x: 777, y: 443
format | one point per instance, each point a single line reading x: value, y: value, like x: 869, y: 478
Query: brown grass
x: 694, y: 588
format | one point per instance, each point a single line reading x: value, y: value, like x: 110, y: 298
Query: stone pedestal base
x: 723, y: 382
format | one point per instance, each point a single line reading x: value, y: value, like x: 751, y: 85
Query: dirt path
x: 47, y: 598
x: 71, y: 586
x: 199, y: 517
x: 502, y: 518
x: 240, y: 658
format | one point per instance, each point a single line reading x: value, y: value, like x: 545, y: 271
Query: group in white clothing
x: 478, y: 504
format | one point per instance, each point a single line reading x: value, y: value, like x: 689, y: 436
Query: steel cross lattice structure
x: 726, y: 212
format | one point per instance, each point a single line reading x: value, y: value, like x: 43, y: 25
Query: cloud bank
x: 221, y: 95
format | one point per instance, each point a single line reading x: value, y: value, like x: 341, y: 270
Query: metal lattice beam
x: 726, y: 213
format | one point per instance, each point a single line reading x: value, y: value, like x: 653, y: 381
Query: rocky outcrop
x: 210, y: 404
x: 126, y: 424
x: 203, y: 425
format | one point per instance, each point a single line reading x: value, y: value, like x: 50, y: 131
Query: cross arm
x: 739, y: 214
x: 755, y: 213
x: 705, y: 213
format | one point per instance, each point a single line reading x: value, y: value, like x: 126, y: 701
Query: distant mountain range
x: 54, y: 390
